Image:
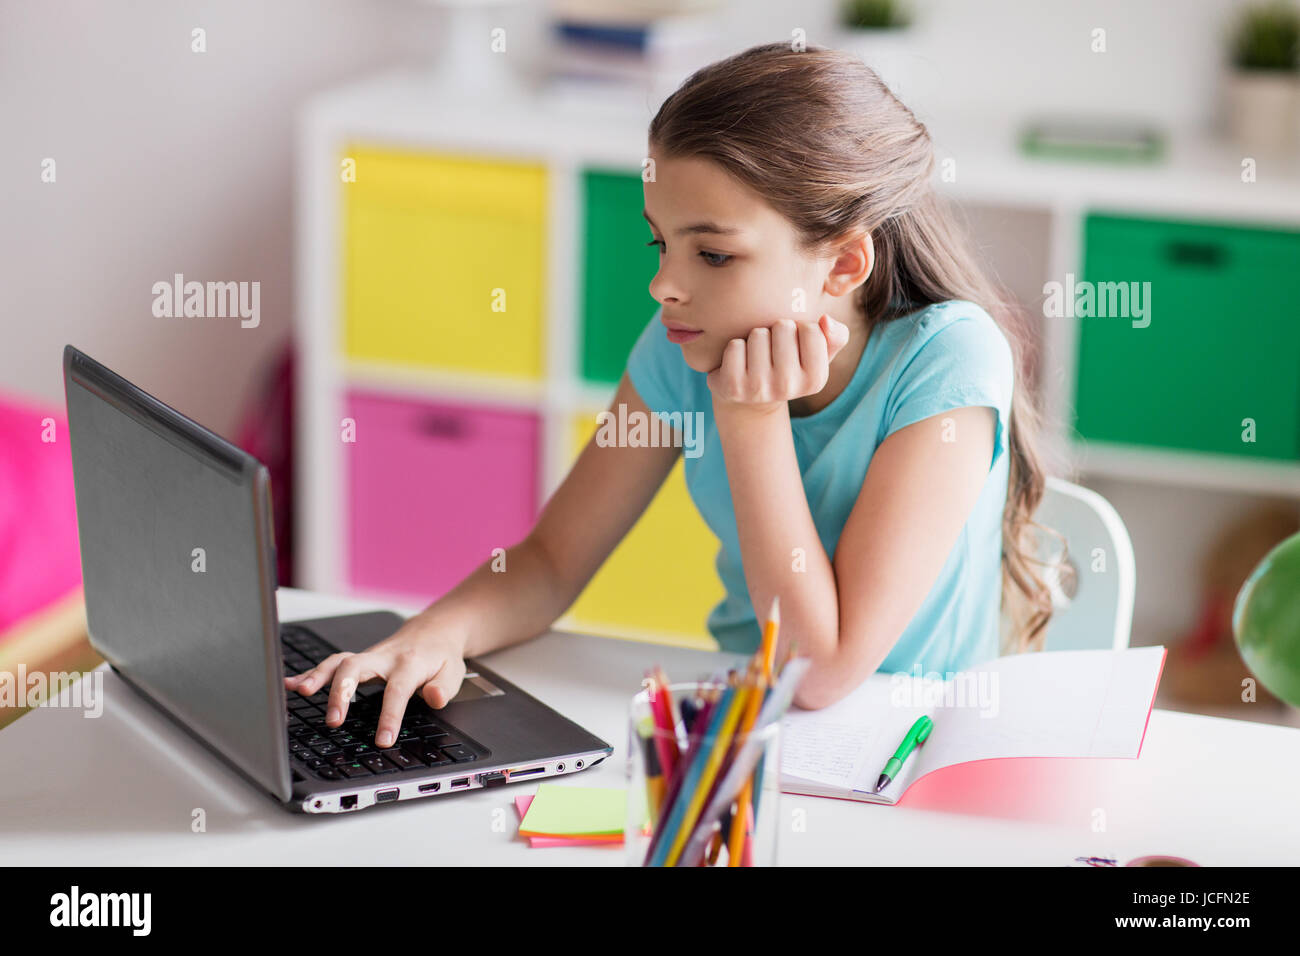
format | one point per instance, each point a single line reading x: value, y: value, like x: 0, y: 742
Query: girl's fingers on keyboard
x: 445, y: 684
x: 402, y: 682
x: 308, y: 682
x: 352, y: 671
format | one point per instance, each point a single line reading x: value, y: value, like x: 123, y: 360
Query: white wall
x: 1016, y: 57
x: 167, y: 161
x: 170, y: 161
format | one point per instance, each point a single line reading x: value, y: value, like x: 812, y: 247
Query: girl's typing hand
x: 420, y: 656
x: 773, y: 366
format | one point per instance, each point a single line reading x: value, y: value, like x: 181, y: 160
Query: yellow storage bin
x: 431, y: 243
x: 660, y: 583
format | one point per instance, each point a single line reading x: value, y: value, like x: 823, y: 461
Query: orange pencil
x: 748, y: 854
x: 768, y: 650
x: 791, y: 650
x: 744, y: 804
x: 744, y: 801
x: 715, y: 849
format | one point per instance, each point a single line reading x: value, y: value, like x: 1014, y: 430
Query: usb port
x: 386, y: 796
x: 460, y: 782
x: 430, y: 787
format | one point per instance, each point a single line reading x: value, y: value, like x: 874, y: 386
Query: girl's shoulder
x: 953, y: 326
x: 940, y: 315
x: 948, y: 355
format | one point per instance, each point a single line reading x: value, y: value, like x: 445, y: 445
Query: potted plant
x: 1262, y: 89
x: 880, y: 32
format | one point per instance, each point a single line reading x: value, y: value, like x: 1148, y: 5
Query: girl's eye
x: 712, y: 258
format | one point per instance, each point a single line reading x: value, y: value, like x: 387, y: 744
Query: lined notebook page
x: 846, y: 745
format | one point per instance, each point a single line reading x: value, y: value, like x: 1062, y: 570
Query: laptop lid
x: 178, y: 562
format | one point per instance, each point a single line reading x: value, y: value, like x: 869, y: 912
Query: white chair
x: 1099, y: 612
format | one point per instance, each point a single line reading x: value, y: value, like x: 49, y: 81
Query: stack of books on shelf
x: 631, y: 53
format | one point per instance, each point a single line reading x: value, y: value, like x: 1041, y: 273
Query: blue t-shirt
x: 941, y: 357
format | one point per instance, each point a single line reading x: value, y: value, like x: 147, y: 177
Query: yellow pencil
x: 718, y: 839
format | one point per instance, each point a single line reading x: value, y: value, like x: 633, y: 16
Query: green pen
x: 920, y: 730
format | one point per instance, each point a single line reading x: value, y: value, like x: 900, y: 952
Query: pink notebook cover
x: 1042, y: 789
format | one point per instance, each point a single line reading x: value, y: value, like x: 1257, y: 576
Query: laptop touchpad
x: 474, y: 687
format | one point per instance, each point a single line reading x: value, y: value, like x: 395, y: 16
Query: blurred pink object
x: 40, y: 558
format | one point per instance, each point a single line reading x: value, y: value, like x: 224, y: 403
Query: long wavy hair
x: 824, y: 141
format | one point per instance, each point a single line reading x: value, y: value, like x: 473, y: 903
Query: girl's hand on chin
x: 770, y: 367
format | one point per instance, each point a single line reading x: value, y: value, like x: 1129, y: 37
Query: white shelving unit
x: 1200, y: 180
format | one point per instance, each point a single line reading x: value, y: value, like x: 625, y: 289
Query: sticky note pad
x: 574, y: 811
x: 521, y: 807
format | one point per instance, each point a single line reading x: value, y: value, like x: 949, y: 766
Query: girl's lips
x: 678, y: 337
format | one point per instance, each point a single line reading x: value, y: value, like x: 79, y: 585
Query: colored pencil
x: 687, y: 780
x: 664, y: 736
x: 709, y: 697
x: 710, y: 750
x: 654, y: 781
x: 710, y: 758
x: 744, y: 810
x: 778, y: 701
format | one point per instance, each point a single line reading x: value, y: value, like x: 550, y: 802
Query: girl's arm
x: 599, y: 501
x: 596, y: 505
x: 920, y: 488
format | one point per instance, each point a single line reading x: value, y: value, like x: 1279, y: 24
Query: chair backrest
x: 1095, y: 610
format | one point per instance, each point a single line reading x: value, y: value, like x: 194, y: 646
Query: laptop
x: 178, y: 563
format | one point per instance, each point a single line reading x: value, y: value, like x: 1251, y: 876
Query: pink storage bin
x: 432, y: 489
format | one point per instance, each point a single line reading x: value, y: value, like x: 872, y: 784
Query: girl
x: 865, y: 456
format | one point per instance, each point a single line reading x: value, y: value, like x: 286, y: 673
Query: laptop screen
x: 177, y: 561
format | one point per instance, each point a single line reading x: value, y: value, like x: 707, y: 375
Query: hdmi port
x: 430, y: 787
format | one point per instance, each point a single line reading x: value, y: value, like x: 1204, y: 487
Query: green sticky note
x: 574, y: 811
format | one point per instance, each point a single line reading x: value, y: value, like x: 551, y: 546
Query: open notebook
x: 1042, y: 704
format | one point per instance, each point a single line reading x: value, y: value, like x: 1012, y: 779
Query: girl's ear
x: 853, y: 265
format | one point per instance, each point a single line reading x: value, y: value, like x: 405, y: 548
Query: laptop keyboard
x: 346, y: 751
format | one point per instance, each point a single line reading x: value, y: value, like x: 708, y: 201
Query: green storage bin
x: 1223, y: 343
x: 617, y: 267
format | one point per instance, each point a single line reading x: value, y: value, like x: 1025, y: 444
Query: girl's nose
x: 664, y: 290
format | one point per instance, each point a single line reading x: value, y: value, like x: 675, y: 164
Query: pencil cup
x: 718, y: 803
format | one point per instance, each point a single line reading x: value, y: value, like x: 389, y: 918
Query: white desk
x: 120, y: 790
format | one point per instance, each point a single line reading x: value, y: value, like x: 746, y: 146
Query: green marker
x: 920, y: 730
